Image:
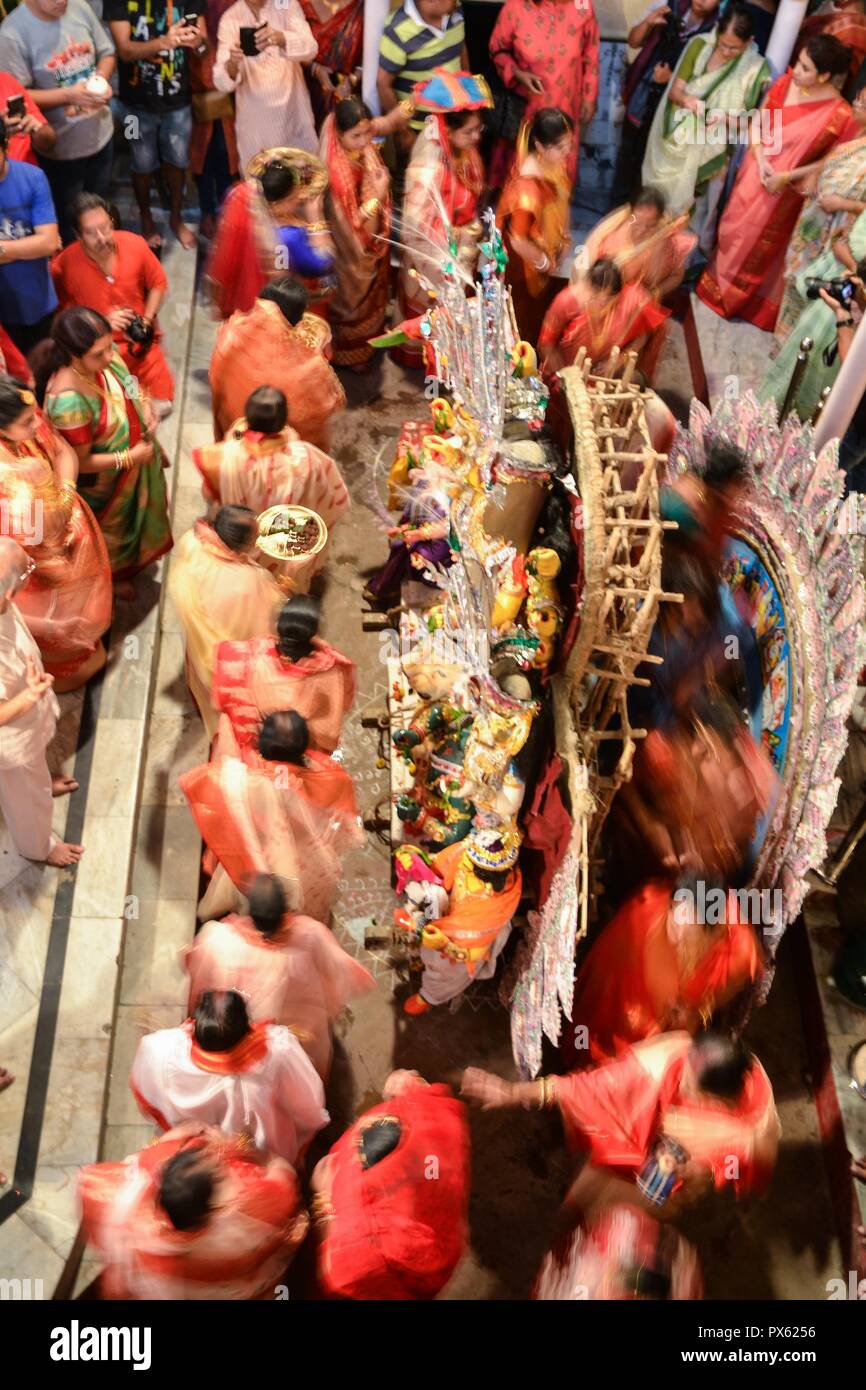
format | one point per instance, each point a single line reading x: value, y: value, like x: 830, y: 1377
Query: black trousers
x: 25, y: 336
x: 626, y: 173
x: 69, y: 177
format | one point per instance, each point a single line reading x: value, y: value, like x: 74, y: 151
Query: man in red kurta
x: 198, y: 1215
x: 546, y: 51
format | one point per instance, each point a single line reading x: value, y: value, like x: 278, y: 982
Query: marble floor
x: 89, y: 959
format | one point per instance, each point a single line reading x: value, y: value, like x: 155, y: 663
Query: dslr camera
x: 842, y: 290
x: 139, y: 334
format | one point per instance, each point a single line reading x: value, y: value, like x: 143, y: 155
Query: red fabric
x: 233, y: 266
x: 617, y: 1110
x: 240, y: 1058
x: 19, y: 146
x: 12, y: 360
x: 548, y: 825
x: 399, y: 1228
x: 632, y: 979
x: 78, y: 280
x: 568, y: 326
x: 251, y: 680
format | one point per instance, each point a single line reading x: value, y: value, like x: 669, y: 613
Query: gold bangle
x: 371, y: 208
x: 318, y: 227
x: 409, y: 106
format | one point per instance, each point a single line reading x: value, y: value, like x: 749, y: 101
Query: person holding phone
x: 261, y: 46
x: 29, y: 132
x: 155, y: 42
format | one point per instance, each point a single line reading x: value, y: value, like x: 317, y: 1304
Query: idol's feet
x: 63, y: 786
x: 414, y: 1006
x: 63, y: 855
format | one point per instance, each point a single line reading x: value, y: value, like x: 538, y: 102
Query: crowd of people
x: 324, y: 228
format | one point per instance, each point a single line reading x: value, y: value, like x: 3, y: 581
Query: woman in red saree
x: 707, y: 1094
x: 656, y: 967
x: 295, y: 670
x: 445, y: 176
x: 338, y: 28
x: 745, y: 278
x: 276, y: 343
x: 66, y: 603
x: 358, y: 205
x: 845, y: 22
x: 251, y: 1227
x: 280, y: 808
x: 94, y: 403
x: 600, y: 314
x: 533, y: 215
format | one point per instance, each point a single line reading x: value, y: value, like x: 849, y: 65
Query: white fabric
x: 272, y: 104
x: 26, y: 805
x: 24, y: 739
x: 444, y: 979
x: 279, y: 1102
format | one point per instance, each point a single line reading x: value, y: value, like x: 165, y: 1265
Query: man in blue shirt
x: 28, y: 239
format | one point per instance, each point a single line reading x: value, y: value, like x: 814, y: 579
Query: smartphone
x: 248, y: 39
x: 15, y: 108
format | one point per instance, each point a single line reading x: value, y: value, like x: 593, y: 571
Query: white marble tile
x: 24, y: 1255
x: 74, y: 1103
x: 171, y: 695
x: 168, y: 854
x: 152, y: 973
x: 52, y: 1212
x: 120, y: 1141
x: 103, y: 871
x: 16, y: 1049
x: 115, y: 770
x: 90, y: 975
x: 174, y: 745
x: 126, y: 684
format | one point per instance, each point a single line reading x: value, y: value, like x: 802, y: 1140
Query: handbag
x: 509, y: 112
x: 212, y: 106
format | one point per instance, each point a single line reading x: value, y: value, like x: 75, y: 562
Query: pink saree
x: 745, y: 278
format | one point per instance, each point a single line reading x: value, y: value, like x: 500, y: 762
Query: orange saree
x: 537, y: 210
x: 251, y: 680
x: 261, y: 348
x: 637, y: 981
x: 647, y: 263
x: 67, y: 601
x: 255, y: 816
x: 745, y: 278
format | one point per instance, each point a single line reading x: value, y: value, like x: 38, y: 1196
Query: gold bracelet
x: 117, y: 457
x: 409, y: 106
x: 318, y: 227
x: 371, y: 208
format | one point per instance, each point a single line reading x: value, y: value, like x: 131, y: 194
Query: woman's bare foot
x: 62, y: 855
x: 63, y: 786
x: 6, y: 1078
x: 185, y: 235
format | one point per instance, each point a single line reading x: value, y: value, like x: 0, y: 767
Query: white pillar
x: 375, y: 14
x: 786, y: 27
x: 845, y: 396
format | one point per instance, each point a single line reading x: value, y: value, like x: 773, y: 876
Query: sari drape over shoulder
x: 260, y: 347
x: 569, y: 327
x: 219, y: 596
x: 536, y: 209
x: 648, y: 263
x: 843, y: 173
x: 436, y: 181
x: 341, y: 41
x: 255, y: 816
x: 300, y: 976
x: 67, y: 601
x: 744, y: 280
x: 618, y: 1109
x: 677, y: 162
x: 251, y: 680
x: 241, y: 1252
x: 131, y: 504
x: 848, y: 26
x: 250, y: 470
x: 634, y: 981
x: 362, y: 261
